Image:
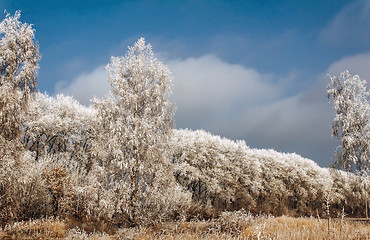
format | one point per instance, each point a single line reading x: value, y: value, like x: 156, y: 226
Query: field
x: 228, y: 226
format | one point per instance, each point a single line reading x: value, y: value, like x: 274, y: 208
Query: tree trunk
x: 367, y: 217
x: 133, y: 196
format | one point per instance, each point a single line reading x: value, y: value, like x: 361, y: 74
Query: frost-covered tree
x: 228, y: 175
x: 18, y: 71
x: 21, y: 189
x: 352, y: 121
x: 120, y: 161
x: 61, y: 127
x: 59, y: 133
x: 132, y: 149
x: 224, y: 175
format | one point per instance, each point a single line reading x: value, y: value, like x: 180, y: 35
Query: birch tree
x: 22, y: 193
x: 18, y: 72
x: 352, y: 124
x: 352, y: 121
x: 136, y: 122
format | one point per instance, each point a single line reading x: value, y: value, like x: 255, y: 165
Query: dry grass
x: 229, y: 226
x: 306, y: 228
x: 37, y: 229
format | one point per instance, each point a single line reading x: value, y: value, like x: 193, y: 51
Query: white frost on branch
x: 352, y: 121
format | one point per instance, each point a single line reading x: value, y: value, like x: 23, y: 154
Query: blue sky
x: 252, y: 70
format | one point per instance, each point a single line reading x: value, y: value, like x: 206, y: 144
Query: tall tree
x: 137, y: 120
x: 352, y: 121
x: 18, y: 73
x: 20, y: 185
x: 352, y: 124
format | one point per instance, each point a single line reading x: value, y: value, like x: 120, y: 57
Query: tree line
x: 120, y: 161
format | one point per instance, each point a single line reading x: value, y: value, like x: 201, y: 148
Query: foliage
x: 60, y: 127
x: 18, y: 68
x: 352, y: 121
x: 22, y: 192
x: 120, y: 163
x: 131, y: 153
x: 226, y: 175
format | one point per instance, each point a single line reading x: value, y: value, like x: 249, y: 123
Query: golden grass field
x: 261, y: 227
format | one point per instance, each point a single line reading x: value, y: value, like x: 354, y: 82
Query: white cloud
x: 351, y: 26
x: 298, y: 124
x: 86, y: 86
x: 358, y: 64
x: 207, y: 89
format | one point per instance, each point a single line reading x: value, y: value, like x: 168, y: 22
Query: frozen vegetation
x: 120, y: 162
x: 228, y: 175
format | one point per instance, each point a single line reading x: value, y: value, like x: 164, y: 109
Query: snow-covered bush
x: 348, y: 191
x: 211, y: 168
x: 58, y: 133
x: 234, y: 222
x: 60, y: 127
x: 23, y: 192
x: 227, y: 175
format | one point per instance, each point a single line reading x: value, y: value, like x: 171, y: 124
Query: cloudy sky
x: 252, y: 70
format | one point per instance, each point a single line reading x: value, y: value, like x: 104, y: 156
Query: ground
x: 229, y: 227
